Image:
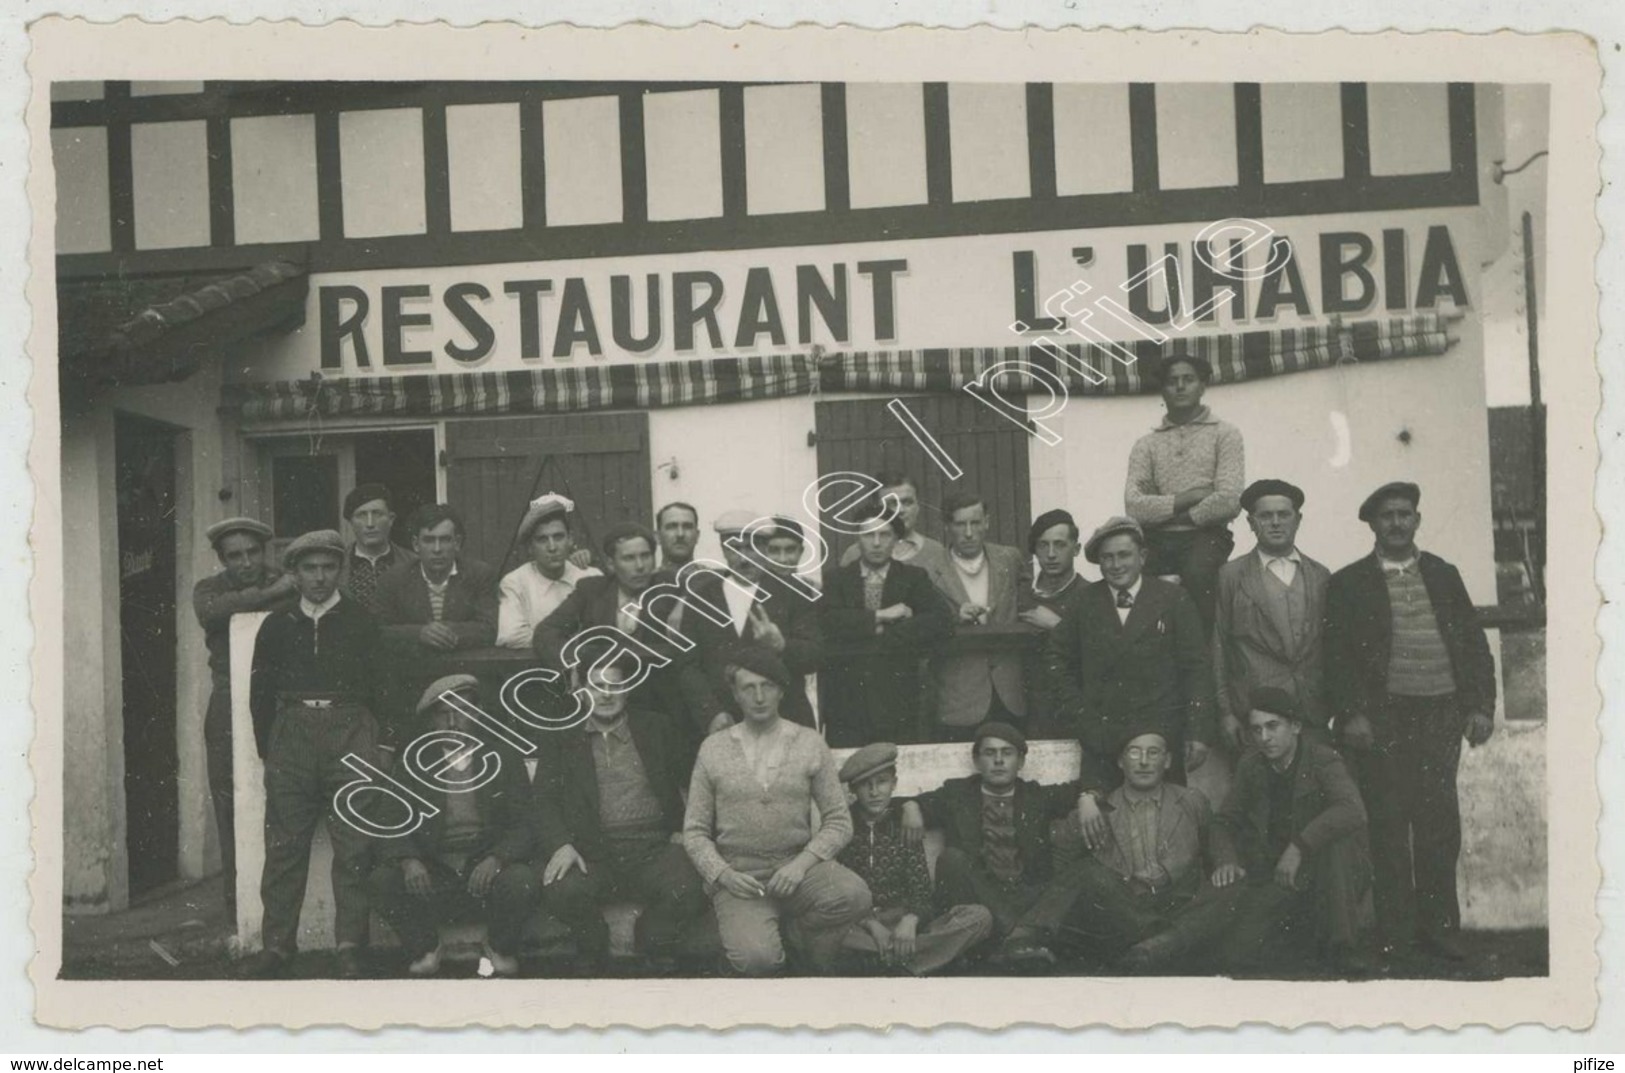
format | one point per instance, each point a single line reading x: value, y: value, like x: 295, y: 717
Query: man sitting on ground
x: 998, y: 853
x: 1293, y: 829
x: 457, y: 864
x: 899, y: 881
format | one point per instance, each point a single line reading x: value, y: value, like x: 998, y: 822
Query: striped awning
x: 1086, y: 370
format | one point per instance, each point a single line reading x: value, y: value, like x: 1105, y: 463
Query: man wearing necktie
x: 1408, y: 675
x: 1131, y: 650
x: 1269, y: 614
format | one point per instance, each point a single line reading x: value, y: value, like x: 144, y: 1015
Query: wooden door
x: 496, y: 466
x: 145, y: 484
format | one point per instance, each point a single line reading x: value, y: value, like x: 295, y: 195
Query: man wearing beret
x: 245, y: 583
x: 1184, y: 482
x: 1292, y: 838
x: 1270, y: 613
x: 1131, y: 650
x: 998, y: 851
x: 457, y: 863
x: 1408, y: 674
x: 1053, y: 542
x: 369, y: 511
x: 312, y: 693
x: 899, y: 880
x: 531, y: 592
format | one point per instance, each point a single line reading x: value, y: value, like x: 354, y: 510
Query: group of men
x: 1343, y: 697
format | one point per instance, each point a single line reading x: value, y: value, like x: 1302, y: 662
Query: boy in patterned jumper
x: 898, y: 878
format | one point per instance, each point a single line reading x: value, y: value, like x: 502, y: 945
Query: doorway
x: 146, y: 489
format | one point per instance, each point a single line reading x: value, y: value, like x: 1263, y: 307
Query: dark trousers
x: 304, y: 768
x: 1195, y: 555
x: 1409, y: 785
x: 1111, y: 913
x: 416, y: 918
x: 656, y: 875
x: 222, y: 789
x: 873, y: 699
x: 1042, y: 906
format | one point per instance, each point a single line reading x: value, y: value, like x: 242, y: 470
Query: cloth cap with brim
x: 870, y: 760
x: 461, y: 684
x: 543, y: 507
x: 762, y: 661
x: 1113, y: 527
x: 1271, y: 487
x: 1045, y: 522
x: 733, y: 521
x: 327, y: 540
x: 363, y: 494
x: 252, y: 526
x: 1276, y: 701
x: 1391, y: 490
x: 1002, y: 731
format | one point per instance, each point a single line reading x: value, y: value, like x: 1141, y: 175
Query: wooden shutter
x: 863, y: 436
x: 497, y: 465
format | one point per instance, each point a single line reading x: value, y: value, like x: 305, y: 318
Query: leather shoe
x: 348, y: 963
x: 265, y: 965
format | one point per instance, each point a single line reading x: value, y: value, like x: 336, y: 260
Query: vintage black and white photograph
x: 697, y: 530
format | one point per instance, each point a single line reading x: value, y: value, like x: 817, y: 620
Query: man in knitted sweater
x: 749, y: 830
x: 1184, y: 484
x: 1408, y: 676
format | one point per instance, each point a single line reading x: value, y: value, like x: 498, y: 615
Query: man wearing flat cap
x: 1184, y: 481
x: 457, y: 864
x: 1270, y: 614
x: 245, y: 583
x: 998, y: 850
x: 529, y: 593
x: 1408, y: 675
x: 1131, y: 650
x: 1053, y: 542
x: 313, y: 693
x: 902, y: 930
x: 369, y: 510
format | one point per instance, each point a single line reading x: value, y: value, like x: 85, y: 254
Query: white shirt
x: 741, y: 597
x: 1134, y: 591
x: 1284, y: 567
x: 316, y: 611
x: 975, y: 583
x: 529, y: 596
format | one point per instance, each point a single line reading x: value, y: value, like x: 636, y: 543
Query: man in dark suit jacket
x: 1131, y: 650
x: 881, y: 618
x: 445, y: 602
x: 1409, y: 674
x: 606, y: 809
x: 467, y: 856
x: 677, y: 687
x: 1293, y: 831
x: 761, y: 607
x: 997, y: 844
